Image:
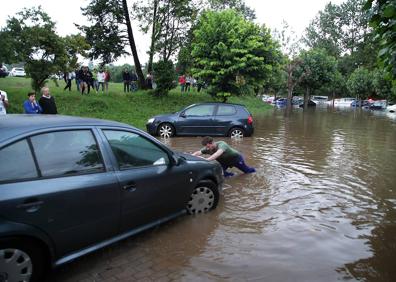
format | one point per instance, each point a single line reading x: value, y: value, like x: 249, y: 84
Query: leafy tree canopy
x: 31, y: 37
x: 383, y: 20
x: 232, y: 55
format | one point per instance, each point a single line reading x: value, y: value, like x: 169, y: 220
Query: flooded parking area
x: 321, y: 207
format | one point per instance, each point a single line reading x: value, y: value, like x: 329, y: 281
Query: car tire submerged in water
x: 20, y: 260
x: 204, y: 197
x: 166, y: 130
x: 236, y: 132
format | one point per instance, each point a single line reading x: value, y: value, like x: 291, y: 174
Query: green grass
x: 132, y: 108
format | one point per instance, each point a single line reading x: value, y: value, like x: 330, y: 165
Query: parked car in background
x: 320, y: 100
x: 213, y: 119
x: 70, y: 186
x: 3, y: 71
x: 18, y: 72
x: 391, y: 109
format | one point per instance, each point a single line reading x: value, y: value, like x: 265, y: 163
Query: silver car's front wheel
x: 204, y: 198
x: 166, y: 130
x: 15, y: 265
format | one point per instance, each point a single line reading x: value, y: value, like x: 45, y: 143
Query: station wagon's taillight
x: 250, y: 120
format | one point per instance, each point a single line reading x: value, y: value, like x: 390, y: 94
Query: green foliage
x: 170, y: 22
x: 32, y: 38
x: 236, y: 5
x: 107, y: 34
x: 319, y: 68
x: 383, y: 20
x: 360, y: 83
x: 231, y: 54
x: 338, y: 29
x: 164, y: 74
x: 382, y: 86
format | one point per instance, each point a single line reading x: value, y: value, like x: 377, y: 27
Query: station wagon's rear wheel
x: 166, y: 130
x: 20, y: 261
x: 204, y: 198
x: 236, y: 132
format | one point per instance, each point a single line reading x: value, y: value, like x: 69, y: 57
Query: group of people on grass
x: 186, y: 82
x: 85, y: 80
x: 45, y: 105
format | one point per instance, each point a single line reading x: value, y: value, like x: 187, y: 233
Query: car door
x: 197, y: 120
x: 152, y: 188
x: 224, y: 119
x: 57, y: 182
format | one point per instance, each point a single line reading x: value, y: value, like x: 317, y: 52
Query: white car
x: 17, y: 72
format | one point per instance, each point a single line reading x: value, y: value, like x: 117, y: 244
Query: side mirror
x: 176, y: 160
x: 183, y: 114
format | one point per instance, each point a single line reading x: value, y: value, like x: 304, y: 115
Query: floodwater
x: 321, y: 207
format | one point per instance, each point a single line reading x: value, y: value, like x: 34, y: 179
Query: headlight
x: 151, y: 120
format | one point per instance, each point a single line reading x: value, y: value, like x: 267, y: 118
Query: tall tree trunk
x: 138, y: 67
x: 153, y: 31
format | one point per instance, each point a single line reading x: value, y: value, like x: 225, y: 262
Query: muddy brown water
x: 321, y: 207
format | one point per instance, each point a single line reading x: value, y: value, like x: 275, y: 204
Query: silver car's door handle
x: 31, y: 206
x: 129, y: 187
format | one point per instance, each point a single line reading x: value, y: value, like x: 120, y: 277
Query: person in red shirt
x: 182, y: 82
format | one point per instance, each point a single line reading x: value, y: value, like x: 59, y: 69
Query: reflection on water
x: 321, y: 207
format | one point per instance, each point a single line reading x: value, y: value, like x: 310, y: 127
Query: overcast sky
x: 297, y: 13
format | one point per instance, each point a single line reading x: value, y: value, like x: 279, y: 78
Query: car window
x: 132, y: 150
x: 67, y: 152
x: 16, y: 162
x: 226, y: 110
x: 200, y: 110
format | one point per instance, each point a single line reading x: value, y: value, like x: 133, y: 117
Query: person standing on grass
x: 47, y: 102
x: 188, y: 83
x: 3, y: 102
x: 106, y: 80
x: 182, y: 82
x: 101, y: 79
x: 126, y: 77
x: 67, y: 76
x: 31, y: 106
x: 224, y: 154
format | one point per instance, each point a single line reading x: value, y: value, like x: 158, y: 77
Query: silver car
x: 70, y: 186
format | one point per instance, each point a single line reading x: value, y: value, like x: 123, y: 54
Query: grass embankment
x: 132, y: 108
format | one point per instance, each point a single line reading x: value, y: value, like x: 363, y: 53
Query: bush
x: 164, y: 77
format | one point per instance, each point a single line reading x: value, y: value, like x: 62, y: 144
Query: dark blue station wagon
x: 69, y: 186
x: 213, y: 119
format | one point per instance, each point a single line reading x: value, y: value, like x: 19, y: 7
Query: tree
x: 164, y: 73
x: 170, y: 22
x: 236, y: 5
x: 32, y: 38
x: 319, y: 68
x: 360, y: 83
x: 338, y: 29
x: 110, y: 32
x: 232, y: 55
x: 290, y: 47
x: 383, y: 20
x: 382, y: 86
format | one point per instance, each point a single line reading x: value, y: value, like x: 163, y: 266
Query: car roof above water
x: 12, y: 125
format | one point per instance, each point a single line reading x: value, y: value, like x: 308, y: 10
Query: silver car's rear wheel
x: 21, y: 260
x: 236, y: 133
x: 15, y: 265
x: 204, y: 198
x: 166, y: 130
